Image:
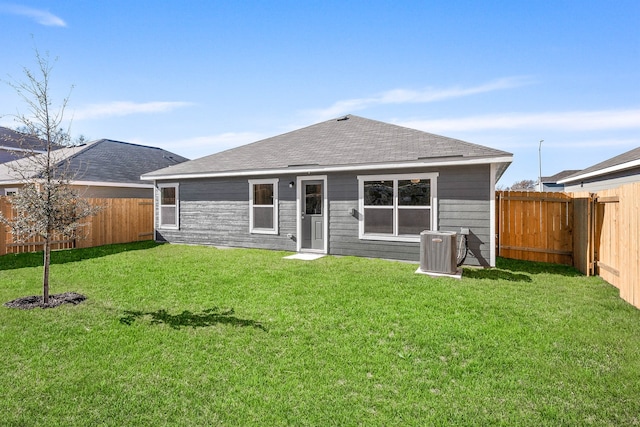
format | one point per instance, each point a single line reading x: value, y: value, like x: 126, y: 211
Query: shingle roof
x: 106, y: 160
x: 623, y: 161
x: 347, y: 141
x: 12, y: 139
x: 14, y: 145
x: 557, y: 177
x: 114, y: 161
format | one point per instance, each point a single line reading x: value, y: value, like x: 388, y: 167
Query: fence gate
x: 606, y: 228
x: 535, y: 226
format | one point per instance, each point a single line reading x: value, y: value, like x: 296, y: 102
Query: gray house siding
x: 463, y: 201
x: 344, y: 227
x: 216, y: 212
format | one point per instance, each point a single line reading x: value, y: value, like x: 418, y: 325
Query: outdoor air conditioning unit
x: 438, y: 252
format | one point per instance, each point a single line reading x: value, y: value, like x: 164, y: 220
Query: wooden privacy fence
x: 119, y: 221
x: 535, y: 226
x: 616, y: 230
x: 597, y: 233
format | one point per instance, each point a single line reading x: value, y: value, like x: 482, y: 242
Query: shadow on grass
x: 209, y: 317
x: 495, y: 274
x: 532, y: 267
x: 519, y: 271
x: 34, y: 259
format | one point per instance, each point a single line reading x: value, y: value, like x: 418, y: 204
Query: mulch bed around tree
x: 27, y: 303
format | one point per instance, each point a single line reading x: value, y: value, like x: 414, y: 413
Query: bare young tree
x: 46, y: 204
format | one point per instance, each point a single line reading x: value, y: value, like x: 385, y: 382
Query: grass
x: 187, y: 335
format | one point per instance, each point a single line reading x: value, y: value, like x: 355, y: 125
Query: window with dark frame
x: 396, y: 207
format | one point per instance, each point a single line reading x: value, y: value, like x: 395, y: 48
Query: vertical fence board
x: 582, y: 239
x: 539, y: 227
x: 118, y: 221
x: 628, y: 253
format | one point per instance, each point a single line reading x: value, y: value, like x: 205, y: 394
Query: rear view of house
x: 346, y: 186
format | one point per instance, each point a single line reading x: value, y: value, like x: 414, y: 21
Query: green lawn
x: 187, y: 335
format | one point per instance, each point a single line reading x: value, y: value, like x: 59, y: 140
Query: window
x: 169, y: 202
x: 10, y: 191
x: 313, y: 199
x: 397, y: 207
x: 263, y: 206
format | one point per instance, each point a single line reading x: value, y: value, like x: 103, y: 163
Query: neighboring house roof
x: 11, y: 139
x: 553, y: 179
x: 347, y: 143
x: 103, y: 161
x: 628, y: 160
x: 14, y: 145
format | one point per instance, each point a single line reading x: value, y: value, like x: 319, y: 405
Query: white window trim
x: 433, y: 208
x: 175, y: 226
x: 10, y: 191
x: 252, y: 229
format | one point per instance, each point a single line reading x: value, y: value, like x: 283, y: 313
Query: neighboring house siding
x: 605, y: 182
x: 216, y: 212
x: 552, y: 187
x: 117, y: 192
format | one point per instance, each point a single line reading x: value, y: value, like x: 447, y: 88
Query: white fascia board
x: 90, y: 184
x: 610, y: 169
x: 21, y: 150
x: 325, y: 169
x: 110, y: 184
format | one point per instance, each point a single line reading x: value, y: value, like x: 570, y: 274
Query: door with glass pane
x: 312, y: 216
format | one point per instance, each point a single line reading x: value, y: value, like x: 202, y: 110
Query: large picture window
x: 397, y: 207
x: 263, y: 206
x: 169, y: 202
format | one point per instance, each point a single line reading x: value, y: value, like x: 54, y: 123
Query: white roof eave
x: 611, y: 169
x: 331, y: 168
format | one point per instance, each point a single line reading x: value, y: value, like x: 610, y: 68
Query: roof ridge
x: 129, y: 143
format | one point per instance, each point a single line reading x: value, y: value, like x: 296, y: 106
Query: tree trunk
x: 45, y: 275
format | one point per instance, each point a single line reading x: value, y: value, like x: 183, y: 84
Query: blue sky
x: 198, y: 77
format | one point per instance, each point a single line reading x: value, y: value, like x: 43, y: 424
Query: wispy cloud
x: 407, y: 96
x: 563, y: 121
x: 125, y: 108
x: 42, y: 17
x: 204, y: 145
x: 219, y: 142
